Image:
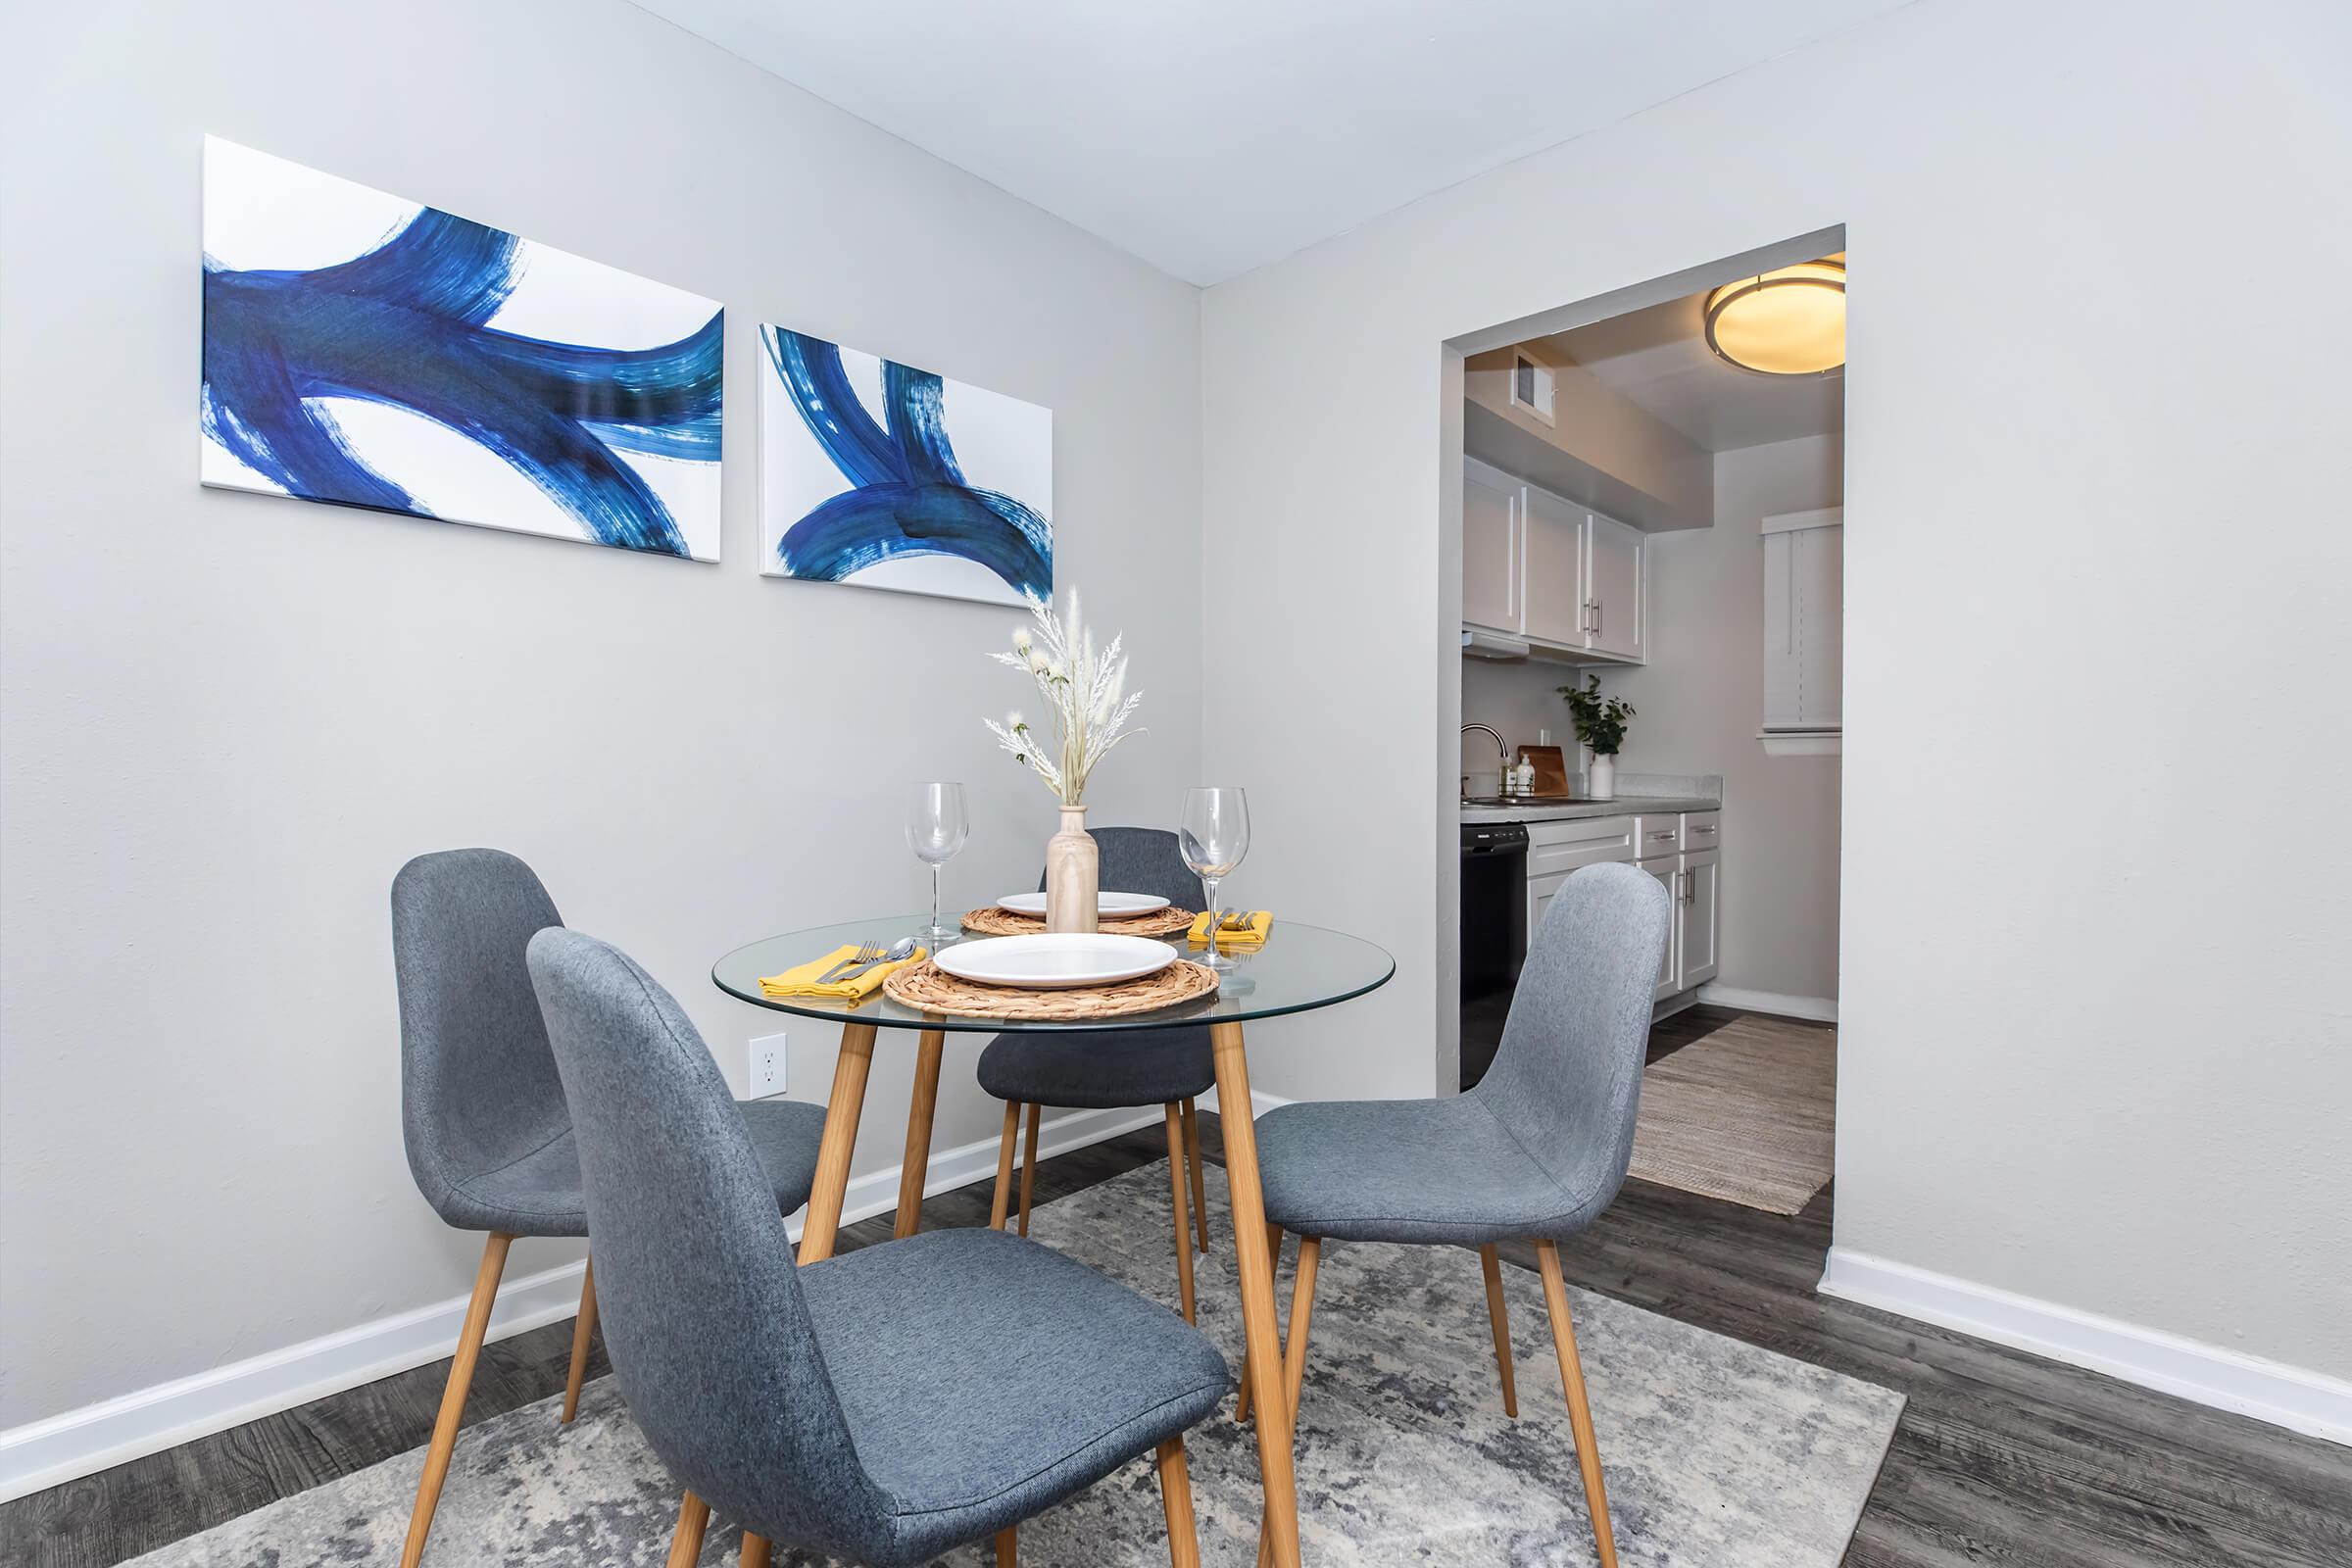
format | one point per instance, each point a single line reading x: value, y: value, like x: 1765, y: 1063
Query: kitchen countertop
x: 1569, y: 810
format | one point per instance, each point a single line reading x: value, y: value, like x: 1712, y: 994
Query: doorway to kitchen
x: 1650, y: 527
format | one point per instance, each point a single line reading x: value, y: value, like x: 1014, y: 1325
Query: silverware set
x: 867, y: 955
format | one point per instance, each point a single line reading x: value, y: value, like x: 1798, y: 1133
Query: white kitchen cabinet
x: 1539, y: 890
x: 1670, y: 965
x: 1614, y: 555
x: 1556, y: 849
x: 1540, y: 567
x: 1554, y: 606
x: 1491, y: 551
x: 1699, y: 919
x: 1678, y: 848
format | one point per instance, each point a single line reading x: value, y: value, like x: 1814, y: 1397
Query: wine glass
x: 937, y: 825
x: 1214, y: 836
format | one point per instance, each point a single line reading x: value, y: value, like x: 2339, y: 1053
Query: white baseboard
x: 1260, y: 1100
x: 2296, y: 1397
x: 78, y: 1443
x: 1819, y: 1010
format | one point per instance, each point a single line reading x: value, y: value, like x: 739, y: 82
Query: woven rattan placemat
x: 995, y: 922
x: 931, y: 989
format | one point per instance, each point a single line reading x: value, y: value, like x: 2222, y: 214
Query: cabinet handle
x: 1598, y: 608
x: 1701, y: 827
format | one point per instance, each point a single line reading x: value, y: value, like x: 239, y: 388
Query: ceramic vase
x: 1600, y: 779
x: 1073, y: 875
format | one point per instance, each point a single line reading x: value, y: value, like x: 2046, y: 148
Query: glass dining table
x: 1300, y: 968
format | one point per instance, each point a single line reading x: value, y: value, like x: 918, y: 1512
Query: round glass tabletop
x: 1299, y: 968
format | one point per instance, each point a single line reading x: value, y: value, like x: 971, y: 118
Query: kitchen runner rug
x: 1746, y: 1113
x: 1718, y: 1454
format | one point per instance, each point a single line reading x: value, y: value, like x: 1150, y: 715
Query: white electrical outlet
x: 767, y: 1066
x: 1543, y: 737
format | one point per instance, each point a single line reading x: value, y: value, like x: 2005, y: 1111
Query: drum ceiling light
x: 1789, y: 321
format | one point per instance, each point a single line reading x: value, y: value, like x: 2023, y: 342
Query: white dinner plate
x: 1055, y: 961
x: 1115, y: 904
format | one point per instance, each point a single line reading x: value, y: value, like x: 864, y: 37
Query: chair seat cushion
x: 540, y: 1194
x: 1411, y: 1170
x: 1096, y: 1070
x: 985, y: 1376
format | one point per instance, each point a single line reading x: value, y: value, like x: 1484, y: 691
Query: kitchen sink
x: 1520, y: 799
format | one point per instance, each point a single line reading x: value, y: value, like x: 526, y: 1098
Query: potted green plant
x: 1600, y: 729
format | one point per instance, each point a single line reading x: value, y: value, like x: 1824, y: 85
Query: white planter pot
x: 1600, y: 779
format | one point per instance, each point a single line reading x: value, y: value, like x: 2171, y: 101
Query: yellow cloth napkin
x: 801, y: 980
x: 1253, y: 934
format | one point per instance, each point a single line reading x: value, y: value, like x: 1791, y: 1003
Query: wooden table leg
x: 1257, y: 1293
x: 833, y: 1153
x: 686, y: 1546
x: 917, y: 1164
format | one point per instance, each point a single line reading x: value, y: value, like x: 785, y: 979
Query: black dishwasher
x: 1493, y: 905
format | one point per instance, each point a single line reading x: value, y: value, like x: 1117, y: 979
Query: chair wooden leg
x: 694, y: 1517
x: 1184, y: 1227
x: 1501, y: 1317
x: 1029, y: 1167
x: 1176, y: 1496
x: 453, y: 1398
x: 1580, y: 1412
x: 1192, y: 1159
x: 1241, y: 1407
x: 755, y: 1550
x: 1009, y: 1553
x: 583, y: 1332
x: 1302, y: 1314
x: 1005, y: 1146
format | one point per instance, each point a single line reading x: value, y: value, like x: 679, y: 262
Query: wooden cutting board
x: 1552, y: 769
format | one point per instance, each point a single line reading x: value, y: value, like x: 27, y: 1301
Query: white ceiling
x: 1211, y: 136
x: 1658, y: 359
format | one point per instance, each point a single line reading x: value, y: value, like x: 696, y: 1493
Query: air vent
x: 1531, y: 387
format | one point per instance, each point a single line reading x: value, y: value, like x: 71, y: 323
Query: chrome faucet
x: 1502, y: 753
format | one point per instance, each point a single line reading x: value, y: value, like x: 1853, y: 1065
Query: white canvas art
x: 372, y: 352
x: 876, y: 473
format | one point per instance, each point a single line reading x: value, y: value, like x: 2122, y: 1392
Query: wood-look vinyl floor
x: 2001, y: 1458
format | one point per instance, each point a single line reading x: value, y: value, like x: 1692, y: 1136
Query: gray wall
x: 1701, y: 700
x: 225, y: 719
x: 2093, y: 1044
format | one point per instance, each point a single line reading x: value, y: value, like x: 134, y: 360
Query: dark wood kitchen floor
x: 2000, y: 1458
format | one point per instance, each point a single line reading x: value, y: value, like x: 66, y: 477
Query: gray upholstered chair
x: 489, y: 1137
x: 881, y: 1407
x: 1535, y: 1152
x: 1096, y: 1070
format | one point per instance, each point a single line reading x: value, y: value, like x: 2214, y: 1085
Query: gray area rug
x: 1716, y: 1453
x: 1747, y: 1113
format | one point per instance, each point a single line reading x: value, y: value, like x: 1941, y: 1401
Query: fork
x: 867, y: 952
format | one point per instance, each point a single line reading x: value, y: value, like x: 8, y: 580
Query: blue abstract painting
x: 370, y: 352
x: 876, y: 473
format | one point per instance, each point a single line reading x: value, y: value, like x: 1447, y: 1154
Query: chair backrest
x: 478, y: 1086
x: 696, y: 1289
x: 1144, y: 859
x: 1567, y: 1077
